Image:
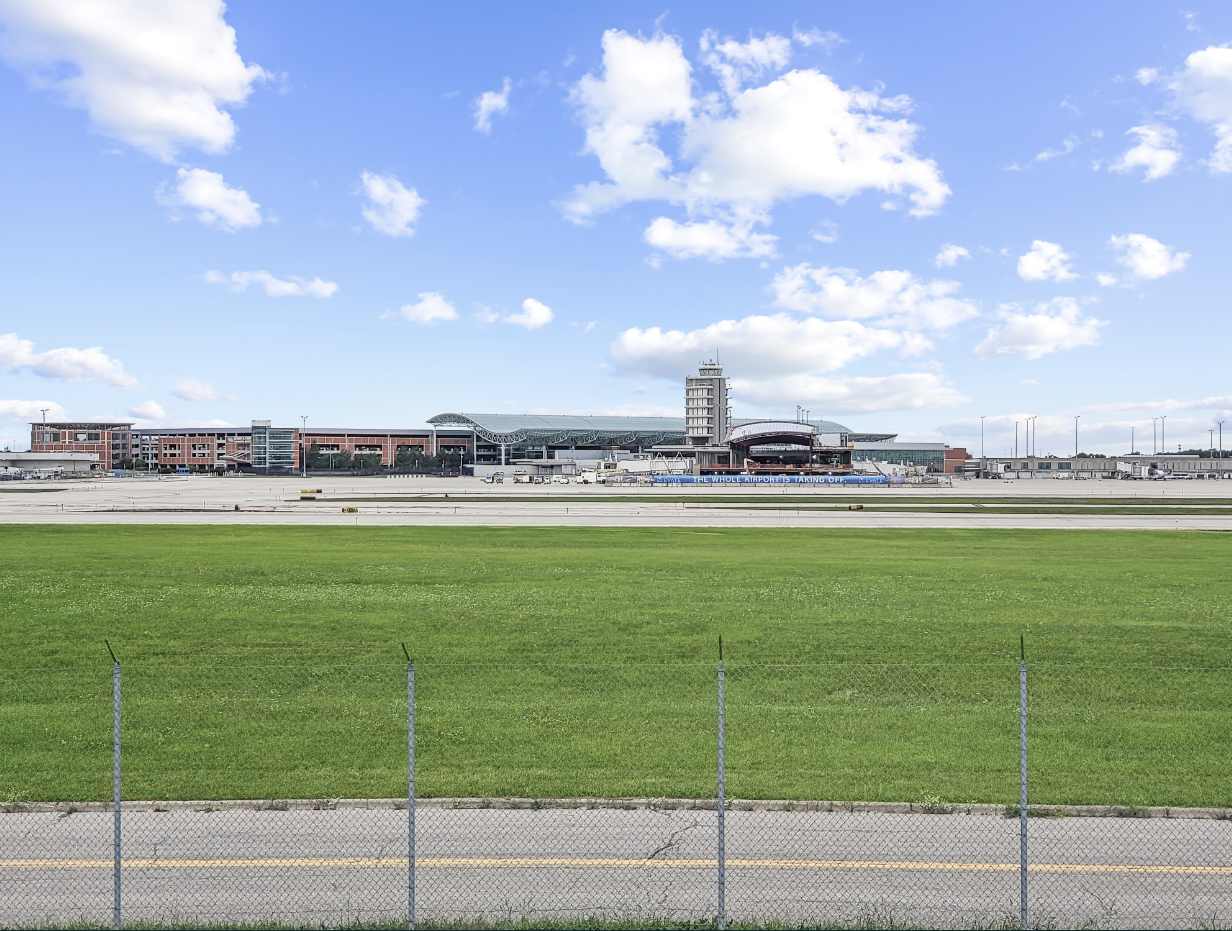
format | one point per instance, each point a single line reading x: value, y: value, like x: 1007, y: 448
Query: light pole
x: 1076, y: 416
x: 1154, y: 434
x: 1131, y: 441
x: 1163, y: 434
x: 1221, y: 449
x: 983, y: 464
x: 1015, y: 439
x: 303, y: 446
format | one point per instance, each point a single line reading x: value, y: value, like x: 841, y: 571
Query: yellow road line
x: 591, y: 862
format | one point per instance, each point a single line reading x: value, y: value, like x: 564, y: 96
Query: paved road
x: 276, y: 501
x: 345, y: 865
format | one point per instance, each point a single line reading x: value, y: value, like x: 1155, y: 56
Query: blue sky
x: 898, y: 216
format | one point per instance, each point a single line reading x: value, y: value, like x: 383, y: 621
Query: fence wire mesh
x: 857, y: 794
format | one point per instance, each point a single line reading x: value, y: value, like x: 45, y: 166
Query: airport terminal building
x: 707, y: 435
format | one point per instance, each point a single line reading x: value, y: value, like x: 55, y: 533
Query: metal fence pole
x: 410, y: 794
x: 722, y: 859
x: 115, y: 791
x: 1022, y: 791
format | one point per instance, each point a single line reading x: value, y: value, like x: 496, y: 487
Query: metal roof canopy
x: 578, y: 430
x: 562, y: 429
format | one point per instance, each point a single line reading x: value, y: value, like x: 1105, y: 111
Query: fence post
x: 115, y: 790
x: 721, y: 920
x: 1022, y: 789
x: 410, y: 793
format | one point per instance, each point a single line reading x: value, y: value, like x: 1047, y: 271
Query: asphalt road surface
x: 264, y: 500
x: 330, y: 867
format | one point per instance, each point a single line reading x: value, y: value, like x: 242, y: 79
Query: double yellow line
x: 609, y: 863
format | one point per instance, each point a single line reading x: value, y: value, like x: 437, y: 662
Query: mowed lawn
x: 861, y: 664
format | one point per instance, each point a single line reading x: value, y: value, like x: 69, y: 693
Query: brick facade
x: 110, y: 442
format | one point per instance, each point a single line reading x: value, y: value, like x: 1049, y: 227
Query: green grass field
x: 861, y: 664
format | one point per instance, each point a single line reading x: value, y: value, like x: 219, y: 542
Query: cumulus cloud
x: 392, y: 208
x: 148, y: 410
x: 827, y: 40
x: 741, y: 149
x: 66, y: 364
x: 614, y: 410
x: 1056, y: 324
x: 893, y: 298
x: 1147, y: 258
x: 736, y: 63
x: 907, y: 391
x: 1216, y: 403
x: 192, y: 390
x: 534, y: 315
x: 710, y: 239
x: 756, y: 346
x: 217, y: 204
x: 1157, y: 151
x: 154, y: 75
x: 489, y: 104
x: 31, y: 411
x: 431, y: 308
x: 949, y: 255
x: 274, y: 287
x: 1202, y: 87
x: 1045, y: 262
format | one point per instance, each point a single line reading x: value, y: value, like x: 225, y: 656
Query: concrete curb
x: 624, y: 804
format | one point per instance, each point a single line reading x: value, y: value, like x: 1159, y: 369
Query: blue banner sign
x: 770, y: 480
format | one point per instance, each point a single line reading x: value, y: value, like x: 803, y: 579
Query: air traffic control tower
x: 707, y: 414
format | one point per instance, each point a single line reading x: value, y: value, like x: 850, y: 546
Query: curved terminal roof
x: 577, y: 430
x: 568, y: 429
x: 772, y: 431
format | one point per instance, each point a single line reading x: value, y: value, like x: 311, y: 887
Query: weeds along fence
x: 742, y: 795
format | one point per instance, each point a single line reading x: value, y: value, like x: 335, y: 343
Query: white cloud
x: 192, y: 390
x: 949, y: 255
x: 66, y: 364
x: 1146, y: 257
x: 148, y: 410
x: 893, y: 298
x: 742, y: 149
x: 392, y: 208
x: 757, y: 346
x: 274, y: 287
x: 490, y: 103
x: 432, y: 307
x: 153, y: 75
x: 827, y: 231
x: 31, y: 411
x: 827, y: 40
x: 534, y: 315
x: 711, y: 239
x: 217, y: 205
x: 1057, y: 324
x: 1156, y: 151
x: 1045, y: 262
x: 1203, y: 89
x: 736, y: 63
x: 615, y: 410
x: 1071, y: 143
x: 1147, y: 76
x: 1106, y: 280
x: 908, y: 391
x: 1216, y: 403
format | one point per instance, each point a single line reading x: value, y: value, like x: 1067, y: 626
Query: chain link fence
x: 780, y: 795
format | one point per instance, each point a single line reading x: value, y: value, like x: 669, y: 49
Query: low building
x: 108, y: 442
x: 44, y: 463
x: 1160, y: 465
x: 933, y: 457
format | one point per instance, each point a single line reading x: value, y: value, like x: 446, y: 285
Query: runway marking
x: 608, y: 862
